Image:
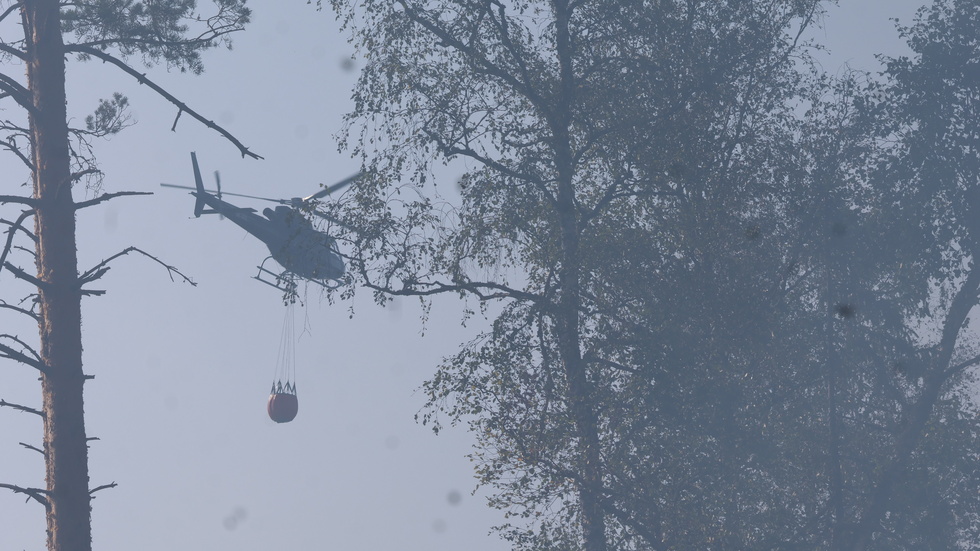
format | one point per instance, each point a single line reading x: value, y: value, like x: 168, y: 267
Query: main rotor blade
x: 271, y: 200
x: 280, y: 201
x: 295, y: 202
x: 184, y: 187
x: 328, y: 190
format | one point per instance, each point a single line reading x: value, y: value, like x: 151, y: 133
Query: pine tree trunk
x: 65, y: 448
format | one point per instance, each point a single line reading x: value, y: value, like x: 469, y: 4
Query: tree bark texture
x: 65, y: 447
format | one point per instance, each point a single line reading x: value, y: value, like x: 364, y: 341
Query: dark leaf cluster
x: 735, y: 289
x: 171, y: 32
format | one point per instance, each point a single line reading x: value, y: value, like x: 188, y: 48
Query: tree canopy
x: 734, y: 291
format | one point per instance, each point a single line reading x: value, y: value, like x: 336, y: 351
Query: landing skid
x: 285, y: 281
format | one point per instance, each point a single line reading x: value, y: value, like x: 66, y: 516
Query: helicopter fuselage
x: 291, y: 238
x: 294, y: 243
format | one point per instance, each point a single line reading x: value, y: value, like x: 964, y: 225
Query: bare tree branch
x: 102, y: 487
x: 23, y: 345
x: 19, y: 224
x: 13, y: 6
x: 141, y: 78
x: 101, y: 268
x: 10, y: 145
x: 18, y: 407
x: 29, y: 201
x: 20, y: 356
x: 107, y: 196
x: 17, y: 91
x: 19, y: 273
x: 483, y: 290
x: 961, y: 366
x: 32, y: 493
x: 31, y: 252
x: 4, y: 305
x: 30, y: 447
x: 10, y: 49
x: 14, y: 226
x: 75, y: 176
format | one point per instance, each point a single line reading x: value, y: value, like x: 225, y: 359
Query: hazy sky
x: 182, y: 373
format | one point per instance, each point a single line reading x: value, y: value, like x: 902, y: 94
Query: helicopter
x: 296, y: 245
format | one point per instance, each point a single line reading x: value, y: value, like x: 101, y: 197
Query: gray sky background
x: 183, y: 373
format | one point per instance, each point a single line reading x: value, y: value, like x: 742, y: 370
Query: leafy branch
x: 183, y: 107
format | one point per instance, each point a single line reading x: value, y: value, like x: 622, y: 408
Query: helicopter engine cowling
x: 303, y: 250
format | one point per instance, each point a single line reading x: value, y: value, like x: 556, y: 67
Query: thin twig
x: 19, y: 310
x: 177, y: 118
x: 14, y: 226
x: 107, y: 196
x: 23, y: 344
x: 19, y: 356
x: 102, y: 487
x: 101, y: 268
x: 12, y: 146
x: 30, y: 447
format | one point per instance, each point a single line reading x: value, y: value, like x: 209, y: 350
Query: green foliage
x: 110, y: 116
x: 172, y: 31
x: 771, y: 268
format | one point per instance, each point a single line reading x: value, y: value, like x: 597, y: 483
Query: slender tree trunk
x: 834, y: 370
x: 581, y: 398
x: 65, y: 448
x: 918, y: 413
